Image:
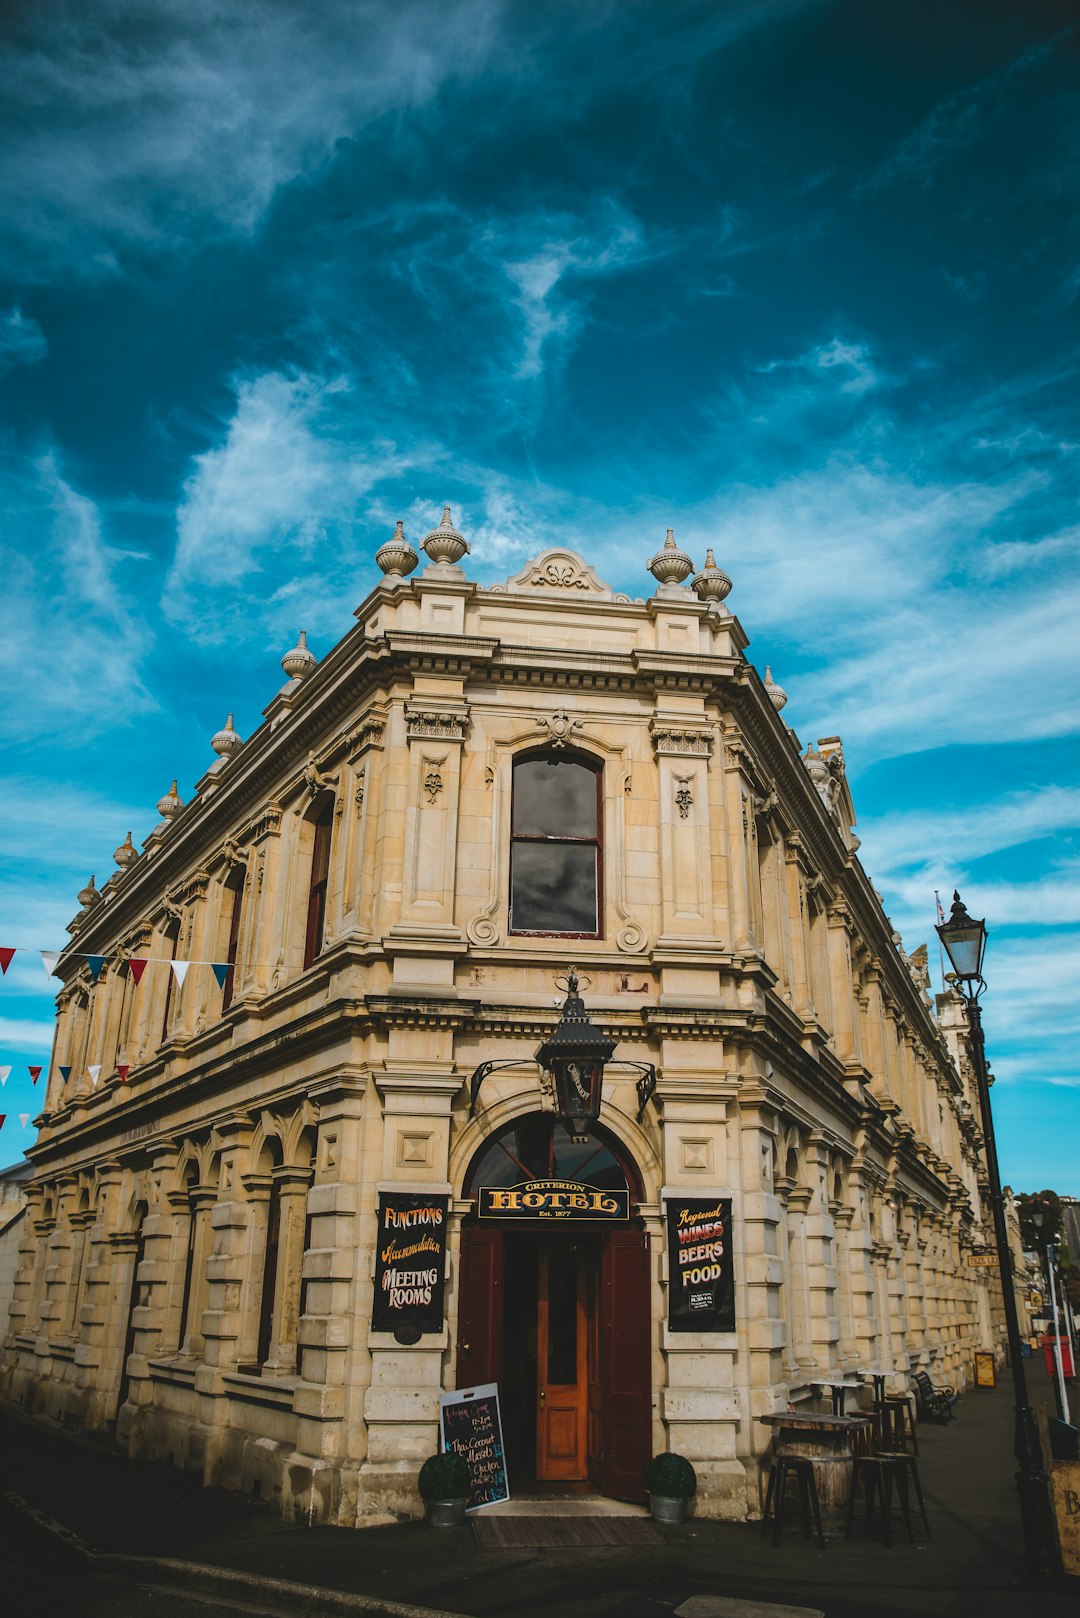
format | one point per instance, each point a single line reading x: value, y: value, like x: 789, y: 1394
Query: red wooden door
x: 561, y: 1362
x: 625, y: 1364
x: 480, y: 1313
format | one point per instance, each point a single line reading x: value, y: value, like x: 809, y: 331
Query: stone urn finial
x: 397, y: 557
x: 126, y: 854
x: 226, y: 742
x: 89, y: 895
x: 171, y: 804
x: 775, y: 693
x: 299, y: 663
x: 712, y: 583
x: 670, y: 565
x: 444, y: 544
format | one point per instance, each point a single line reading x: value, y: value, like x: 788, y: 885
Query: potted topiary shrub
x: 444, y: 1488
x: 670, y: 1480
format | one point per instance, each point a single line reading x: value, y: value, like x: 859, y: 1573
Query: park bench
x: 935, y: 1404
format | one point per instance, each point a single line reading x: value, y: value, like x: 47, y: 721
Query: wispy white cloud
x: 277, y: 496
x: 26, y: 1034
x: 142, y: 125
x: 954, y: 126
x: 22, y: 341
x: 853, y: 363
x: 65, y: 605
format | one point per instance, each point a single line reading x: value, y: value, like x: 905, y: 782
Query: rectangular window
x: 320, y: 871
x: 229, y: 986
x: 555, y: 852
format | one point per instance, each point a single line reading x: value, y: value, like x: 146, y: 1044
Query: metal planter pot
x: 669, y: 1507
x: 445, y: 1513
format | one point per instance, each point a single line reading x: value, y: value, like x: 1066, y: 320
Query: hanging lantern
x: 575, y: 1055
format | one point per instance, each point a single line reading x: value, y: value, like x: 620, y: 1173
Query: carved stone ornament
x: 435, y: 724
x: 670, y: 565
x: 171, y: 804
x: 560, y: 726
x: 433, y: 782
x: 233, y: 854
x: 712, y: 583
x: 561, y: 570
x: 226, y: 741
x: 396, y: 557
x: 126, y: 854
x: 299, y: 662
x: 693, y: 741
x: 367, y: 733
x: 444, y: 545
x: 684, y: 798
x: 316, y: 781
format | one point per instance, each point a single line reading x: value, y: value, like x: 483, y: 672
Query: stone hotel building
x: 476, y: 790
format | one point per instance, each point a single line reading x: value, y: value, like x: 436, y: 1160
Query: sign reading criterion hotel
x: 553, y: 1199
x: 701, y: 1276
x: 410, y: 1263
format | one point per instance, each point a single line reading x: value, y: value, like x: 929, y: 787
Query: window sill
x: 177, y: 1373
x: 277, y: 1392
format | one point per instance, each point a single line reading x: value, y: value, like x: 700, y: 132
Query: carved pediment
x: 560, y: 571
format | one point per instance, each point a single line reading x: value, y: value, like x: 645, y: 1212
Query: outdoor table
x: 828, y: 1441
x: 838, y: 1391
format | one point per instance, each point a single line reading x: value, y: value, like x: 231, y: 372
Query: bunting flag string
x: 97, y: 963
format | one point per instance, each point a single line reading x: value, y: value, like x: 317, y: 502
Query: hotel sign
x: 553, y: 1199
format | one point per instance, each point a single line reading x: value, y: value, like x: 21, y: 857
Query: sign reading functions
x: 701, y: 1275
x: 471, y: 1425
x: 552, y: 1199
x: 410, y: 1263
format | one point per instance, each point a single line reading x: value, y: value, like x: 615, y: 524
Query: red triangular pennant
x: 137, y: 965
x: 122, y: 1071
x: 6, y: 958
x: 35, y: 1074
x: 3, y: 1115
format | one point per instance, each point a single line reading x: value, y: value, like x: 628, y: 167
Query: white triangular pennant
x: 24, y: 1118
x: 94, y: 1071
x: 49, y: 958
x: 180, y: 971
x: 93, y: 1078
x: 4, y: 1073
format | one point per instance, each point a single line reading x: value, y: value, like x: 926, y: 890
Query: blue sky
x: 799, y: 279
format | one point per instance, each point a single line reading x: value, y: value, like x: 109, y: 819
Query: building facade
x: 270, y: 1016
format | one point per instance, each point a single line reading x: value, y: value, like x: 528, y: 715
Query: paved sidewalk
x: 973, y: 1563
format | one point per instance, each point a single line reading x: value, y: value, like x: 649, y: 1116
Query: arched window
x: 172, y: 938
x: 556, y: 855
x: 320, y: 871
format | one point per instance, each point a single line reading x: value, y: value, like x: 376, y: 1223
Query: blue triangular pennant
x: 65, y: 1074
x: 95, y: 963
x: 220, y: 971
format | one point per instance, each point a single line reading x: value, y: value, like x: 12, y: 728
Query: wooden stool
x: 878, y: 1473
x: 802, y: 1469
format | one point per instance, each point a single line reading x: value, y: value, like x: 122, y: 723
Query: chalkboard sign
x: 471, y: 1425
x: 410, y: 1265
x: 701, y: 1275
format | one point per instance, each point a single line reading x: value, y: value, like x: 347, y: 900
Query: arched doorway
x: 555, y: 1304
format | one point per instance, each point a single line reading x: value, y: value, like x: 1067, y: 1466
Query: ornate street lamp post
x: 964, y: 941
x: 575, y: 1054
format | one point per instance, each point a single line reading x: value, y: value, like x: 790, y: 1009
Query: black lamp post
x: 575, y: 1054
x: 964, y: 941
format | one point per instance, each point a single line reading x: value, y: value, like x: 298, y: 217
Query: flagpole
x: 940, y: 951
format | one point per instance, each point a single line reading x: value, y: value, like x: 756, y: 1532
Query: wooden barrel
x: 832, y: 1473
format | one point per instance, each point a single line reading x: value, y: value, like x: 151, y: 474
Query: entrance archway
x: 555, y: 1304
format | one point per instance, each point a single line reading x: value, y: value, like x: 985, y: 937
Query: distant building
x: 12, y: 1231
x: 375, y: 894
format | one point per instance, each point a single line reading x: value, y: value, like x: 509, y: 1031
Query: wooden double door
x: 560, y: 1319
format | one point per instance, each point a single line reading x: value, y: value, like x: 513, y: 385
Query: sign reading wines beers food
x: 701, y: 1276
x: 472, y: 1426
x: 552, y: 1199
x: 410, y: 1262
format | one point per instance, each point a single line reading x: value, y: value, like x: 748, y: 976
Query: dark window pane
x: 553, y: 888
x: 554, y: 798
